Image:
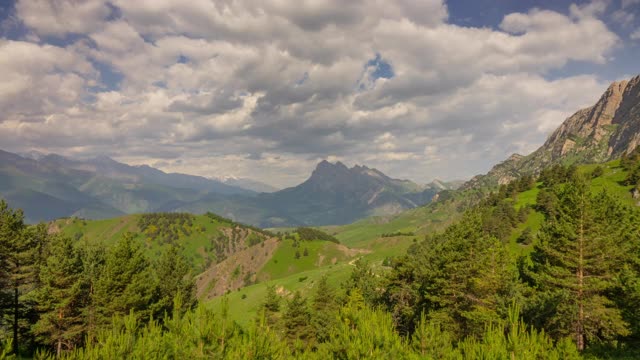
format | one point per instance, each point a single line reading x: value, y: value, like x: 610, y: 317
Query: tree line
x: 56, y: 293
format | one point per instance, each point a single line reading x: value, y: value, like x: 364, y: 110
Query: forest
x: 457, y: 294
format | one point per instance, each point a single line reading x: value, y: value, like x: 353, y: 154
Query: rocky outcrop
x: 503, y: 173
x: 599, y: 133
x: 627, y: 120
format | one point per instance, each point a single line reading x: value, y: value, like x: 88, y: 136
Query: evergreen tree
x: 271, y: 306
x: 580, y: 252
x: 172, y: 272
x: 125, y: 283
x: 11, y: 228
x: 19, y: 260
x: 60, y: 296
x: 93, y: 259
x: 325, y: 310
x: 462, y: 279
x: 363, y: 279
x: 296, y: 319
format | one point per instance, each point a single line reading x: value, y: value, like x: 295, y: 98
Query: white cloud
x: 266, y: 89
x: 59, y: 17
x: 635, y: 35
x: 38, y: 81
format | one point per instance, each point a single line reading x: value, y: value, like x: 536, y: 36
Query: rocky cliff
x: 599, y: 133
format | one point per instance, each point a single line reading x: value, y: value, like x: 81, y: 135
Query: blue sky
x: 420, y: 90
x: 623, y: 61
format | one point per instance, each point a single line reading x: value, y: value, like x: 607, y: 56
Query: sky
x: 267, y: 89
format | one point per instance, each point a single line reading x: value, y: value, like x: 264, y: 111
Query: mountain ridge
x: 333, y: 194
x: 94, y: 188
x: 101, y: 187
x: 604, y: 131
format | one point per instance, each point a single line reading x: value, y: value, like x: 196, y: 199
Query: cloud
x: 267, y: 89
x: 60, y: 17
x: 38, y: 81
x: 635, y: 35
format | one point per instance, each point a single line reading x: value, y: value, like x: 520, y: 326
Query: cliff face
x: 599, y: 133
x: 627, y: 120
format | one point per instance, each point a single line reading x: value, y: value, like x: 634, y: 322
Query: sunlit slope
x: 203, y: 239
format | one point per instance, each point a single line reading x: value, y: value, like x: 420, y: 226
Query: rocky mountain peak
x: 589, y: 122
x: 604, y: 131
x: 325, y: 168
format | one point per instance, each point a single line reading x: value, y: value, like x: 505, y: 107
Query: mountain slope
x: 47, y: 187
x: 204, y: 240
x: 334, y: 194
x: 599, y: 133
x: 377, y: 241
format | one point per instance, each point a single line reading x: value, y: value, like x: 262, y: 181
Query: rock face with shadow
x: 602, y: 132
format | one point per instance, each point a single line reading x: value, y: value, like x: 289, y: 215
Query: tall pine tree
x: 60, y: 296
x: 20, y: 252
x: 581, y: 251
x: 297, y: 319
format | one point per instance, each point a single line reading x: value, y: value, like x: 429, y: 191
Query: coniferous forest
x: 459, y: 293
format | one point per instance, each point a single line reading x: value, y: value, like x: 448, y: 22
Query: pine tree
x: 575, y: 264
x: 93, y: 260
x: 172, y: 271
x: 325, y: 310
x: 363, y: 279
x: 461, y: 279
x: 60, y: 296
x: 125, y: 283
x: 297, y: 319
x: 11, y: 228
x: 271, y: 307
x: 19, y: 260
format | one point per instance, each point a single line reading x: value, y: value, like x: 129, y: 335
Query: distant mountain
x: 334, y: 194
x: 247, y: 184
x: 599, y: 133
x: 109, y: 168
x: 52, y: 186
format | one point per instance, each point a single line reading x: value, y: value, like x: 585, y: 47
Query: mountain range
x: 51, y: 186
x: 596, y: 134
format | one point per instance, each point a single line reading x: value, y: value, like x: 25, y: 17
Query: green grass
x: 284, y: 262
x: 420, y: 221
x: 245, y: 310
x: 534, y: 222
x: 611, y: 181
x: 527, y: 198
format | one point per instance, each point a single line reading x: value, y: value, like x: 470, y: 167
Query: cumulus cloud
x: 266, y: 89
x: 59, y: 17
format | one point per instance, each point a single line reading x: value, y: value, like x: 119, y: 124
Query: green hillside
x: 203, y: 239
x: 379, y: 239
